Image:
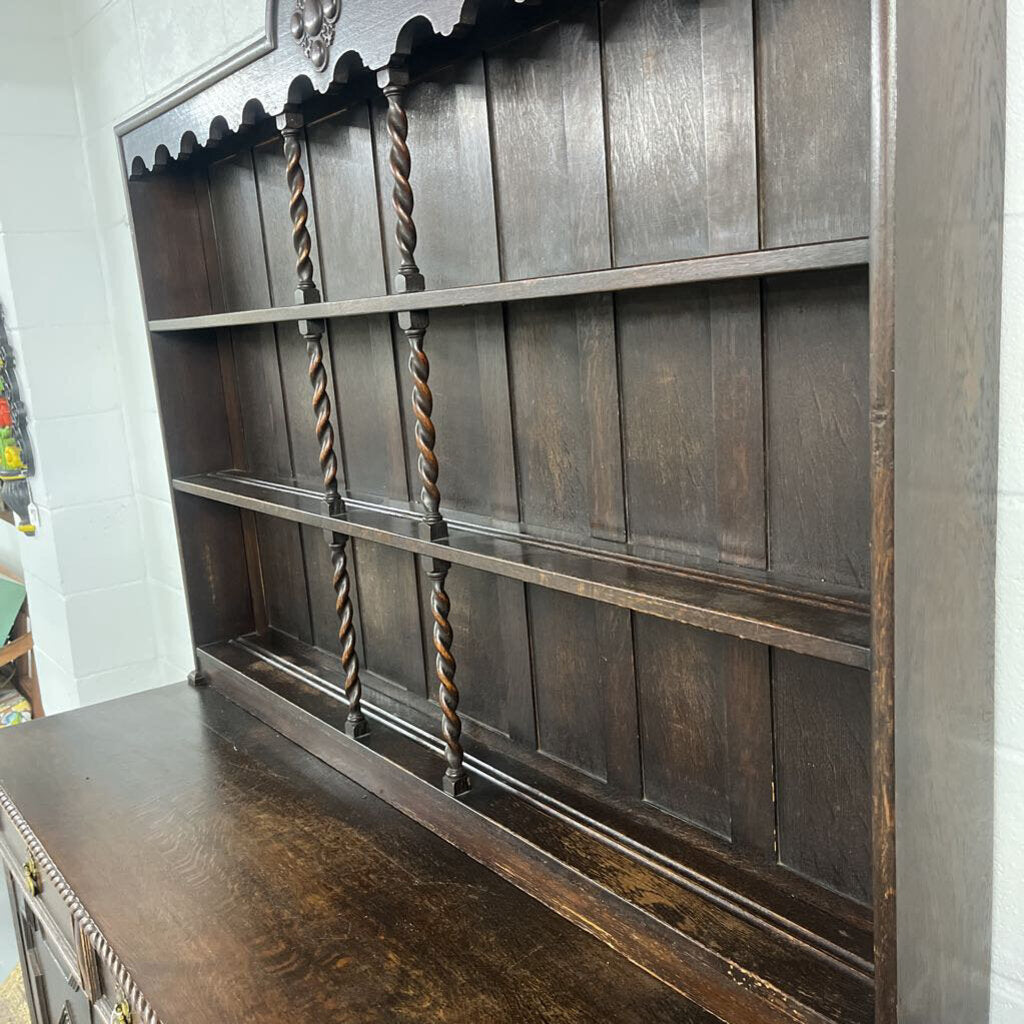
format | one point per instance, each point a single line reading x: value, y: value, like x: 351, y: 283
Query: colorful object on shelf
x: 14, y: 708
x: 15, y: 456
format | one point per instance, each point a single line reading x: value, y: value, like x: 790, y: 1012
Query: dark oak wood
x: 821, y: 256
x: 687, y: 942
x: 793, y: 617
x: 271, y: 900
x: 711, y: 329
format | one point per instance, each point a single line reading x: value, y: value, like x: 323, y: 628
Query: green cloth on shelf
x: 12, y: 597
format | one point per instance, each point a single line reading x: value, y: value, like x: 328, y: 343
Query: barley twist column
x: 414, y: 324
x: 290, y: 125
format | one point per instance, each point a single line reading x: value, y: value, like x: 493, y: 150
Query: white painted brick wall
x: 123, y: 53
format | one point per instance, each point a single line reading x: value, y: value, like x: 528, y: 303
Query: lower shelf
x: 743, y: 947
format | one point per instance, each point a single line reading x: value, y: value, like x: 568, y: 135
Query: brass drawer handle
x: 122, y: 1012
x: 31, y: 875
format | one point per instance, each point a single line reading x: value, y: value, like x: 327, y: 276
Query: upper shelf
x: 788, y: 615
x: 819, y: 256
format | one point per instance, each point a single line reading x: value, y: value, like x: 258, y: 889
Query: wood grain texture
x: 793, y: 616
x: 680, y: 141
x: 547, y: 131
x: 674, y: 922
x: 815, y: 122
x: 794, y: 259
x: 691, y: 402
x: 823, y: 771
x: 819, y: 495
x: 451, y: 176
x: 945, y: 228
x: 190, y: 771
x: 565, y: 408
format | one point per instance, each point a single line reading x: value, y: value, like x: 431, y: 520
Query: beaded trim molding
x: 142, y: 1012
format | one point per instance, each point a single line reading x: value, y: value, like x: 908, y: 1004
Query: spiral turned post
x: 393, y: 82
x: 290, y: 125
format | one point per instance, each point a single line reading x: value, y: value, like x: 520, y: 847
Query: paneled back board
x: 571, y: 460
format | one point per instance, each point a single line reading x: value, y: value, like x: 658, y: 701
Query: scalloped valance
x: 308, y: 46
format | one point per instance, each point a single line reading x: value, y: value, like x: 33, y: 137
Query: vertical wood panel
x: 683, y: 721
x: 680, y: 107
x: 390, y: 620
x: 570, y: 686
x: 816, y: 344
x: 566, y: 415
x: 266, y: 439
x: 469, y: 379
x: 342, y: 175
x: 692, y: 419
x: 488, y: 617
x: 814, y: 92
x: 451, y: 178
x: 823, y: 771
x: 548, y: 139
x: 168, y: 223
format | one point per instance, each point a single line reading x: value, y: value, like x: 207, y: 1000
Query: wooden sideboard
x: 581, y: 422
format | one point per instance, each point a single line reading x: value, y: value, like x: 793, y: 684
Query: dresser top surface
x: 239, y: 878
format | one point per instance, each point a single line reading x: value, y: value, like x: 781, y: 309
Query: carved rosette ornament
x: 312, y: 28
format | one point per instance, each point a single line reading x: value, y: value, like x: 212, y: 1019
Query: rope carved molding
x: 142, y: 1012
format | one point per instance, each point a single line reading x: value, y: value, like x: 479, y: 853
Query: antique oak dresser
x: 581, y: 420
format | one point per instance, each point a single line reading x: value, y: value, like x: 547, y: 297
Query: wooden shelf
x: 683, y: 932
x: 792, y: 617
x: 793, y: 259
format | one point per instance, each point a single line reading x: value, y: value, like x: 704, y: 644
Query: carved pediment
x: 308, y: 46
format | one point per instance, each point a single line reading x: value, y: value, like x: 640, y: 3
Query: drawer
x: 43, y: 896
x: 51, y: 974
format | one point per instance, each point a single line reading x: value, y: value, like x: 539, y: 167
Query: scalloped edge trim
x: 80, y: 916
x: 297, y: 91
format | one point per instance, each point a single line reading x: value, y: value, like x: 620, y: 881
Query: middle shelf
x: 790, y: 615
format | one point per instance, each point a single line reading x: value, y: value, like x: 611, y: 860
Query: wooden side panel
x: 566, y: 415
x: 814, y: 95
x: 822, y: 752
x: 680, y: 107
x: 547, y: 128
x: 168, y: 227
x: 191, y: 396
x: 693, y: 432
x: 816, y: 343
x: 266, y: 434
x: 938, y: 304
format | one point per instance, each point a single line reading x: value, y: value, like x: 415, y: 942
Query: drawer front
x: 51, y: 979
x: 41, y: 893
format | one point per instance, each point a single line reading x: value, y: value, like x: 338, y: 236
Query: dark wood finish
x: 283, y: 836
x: 676, y: 275
x: 823, y: 256
x: 757, y: 607
x: 673, y: 923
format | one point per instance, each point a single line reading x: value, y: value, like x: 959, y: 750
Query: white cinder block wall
x: 103, y: 574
